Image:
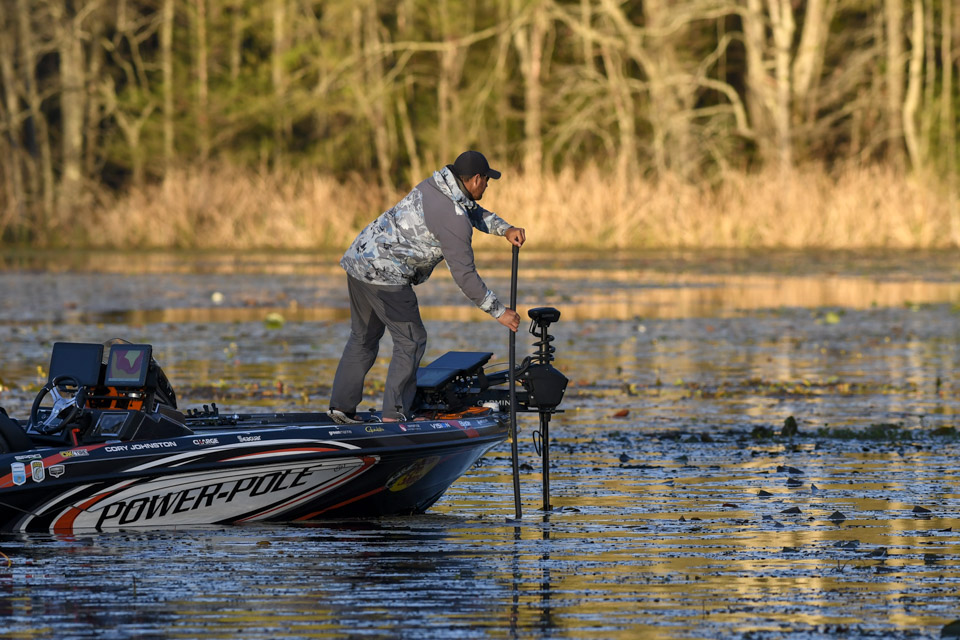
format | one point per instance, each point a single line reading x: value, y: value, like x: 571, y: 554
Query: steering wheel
x: 64, y: 411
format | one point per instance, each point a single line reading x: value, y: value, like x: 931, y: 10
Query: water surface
x: 679, y: 508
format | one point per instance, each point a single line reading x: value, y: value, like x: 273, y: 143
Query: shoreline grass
x: 231, y: 208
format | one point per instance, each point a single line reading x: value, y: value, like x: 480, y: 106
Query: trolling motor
x: 457, y: 380
x: 545, y: 386
x: 542, y: 392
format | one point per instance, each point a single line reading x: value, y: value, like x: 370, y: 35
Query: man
x: 434, y: 222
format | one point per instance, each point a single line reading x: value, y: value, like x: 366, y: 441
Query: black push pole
x: 513, y: 381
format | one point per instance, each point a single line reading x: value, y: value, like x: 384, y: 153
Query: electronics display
x: 78, y: 360
x: 127, y: 365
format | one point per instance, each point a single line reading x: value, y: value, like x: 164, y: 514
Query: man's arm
x: 488, y: 221
x: 454, y: 234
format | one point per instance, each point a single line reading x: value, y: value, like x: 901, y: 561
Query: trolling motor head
x: 543, y: 316
x: 545, y: 384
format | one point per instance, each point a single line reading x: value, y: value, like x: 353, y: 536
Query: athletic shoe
x: 341, y: 417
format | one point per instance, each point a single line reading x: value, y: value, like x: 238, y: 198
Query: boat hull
x: 292, y: 472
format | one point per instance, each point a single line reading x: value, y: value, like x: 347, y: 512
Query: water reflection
x: 245, y: 287
x: 680, y: 511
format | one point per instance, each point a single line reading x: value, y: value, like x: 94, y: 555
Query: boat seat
x: 12, y: 436
x: 449, y: 366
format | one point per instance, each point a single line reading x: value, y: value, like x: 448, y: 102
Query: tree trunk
x: 166, y: 66
x: 72, y: 107
x: 12, y: 204
x: 954, y: 56
x: 130, y: 126
x: 893, y: 18
x: 948, y: 134
x: 809, y: 57
x: 236, y: 39
x: 203, y: 85
x: 500, y: 132
x: 586, y: 40
x: 915, y: 82
x: 448, y: 81
x: 39, y: 141
x: 94, y: 118
x: 409, y: 140
x: 528, y: 41
x: 761, y: 99
x: 406, y: 92
x: 770, y: 99
x: 278, y: 76
x: 626, y: 119
x: 929, y: 100
x: 370, y: 90
x: 671, y: 87
x: 781, y: 17
x: 378, y: 99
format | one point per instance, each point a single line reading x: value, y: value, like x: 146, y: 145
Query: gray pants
x: 374, y: 308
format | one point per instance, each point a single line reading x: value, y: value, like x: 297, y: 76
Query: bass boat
x: 115, y: 451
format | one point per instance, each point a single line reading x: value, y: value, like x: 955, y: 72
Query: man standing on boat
x: 399, y: 249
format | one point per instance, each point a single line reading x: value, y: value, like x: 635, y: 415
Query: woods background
x: 291, y: 123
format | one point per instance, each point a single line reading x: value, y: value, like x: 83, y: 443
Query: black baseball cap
x: 470, y: 163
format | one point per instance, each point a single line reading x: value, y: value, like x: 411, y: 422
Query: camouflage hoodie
x: 435, y: 221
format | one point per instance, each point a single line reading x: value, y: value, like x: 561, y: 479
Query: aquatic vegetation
x: 790, y: 427
x: 274, y: 320
x: 883, y: 432
x: 950, y: 432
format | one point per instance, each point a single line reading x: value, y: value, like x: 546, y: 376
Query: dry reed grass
x: 229, y: 208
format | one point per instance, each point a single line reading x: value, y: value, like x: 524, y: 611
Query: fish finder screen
x: 80, y: 361
x: 127, y: 365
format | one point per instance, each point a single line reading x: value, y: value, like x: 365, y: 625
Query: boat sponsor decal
x: 37, y: 471
x: 74, y: 453
x: 249, y: 438
x: 409, y: 475
x: 54, y: 458
x: 339, y: 432
x: 19, y: 473
x: 165, y: 444
x: 57, y: 470
x: 374, y: 429
x: 209, y: 497
x: 140, y: 446
x: 203, y: 442
x: 30, y: 456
